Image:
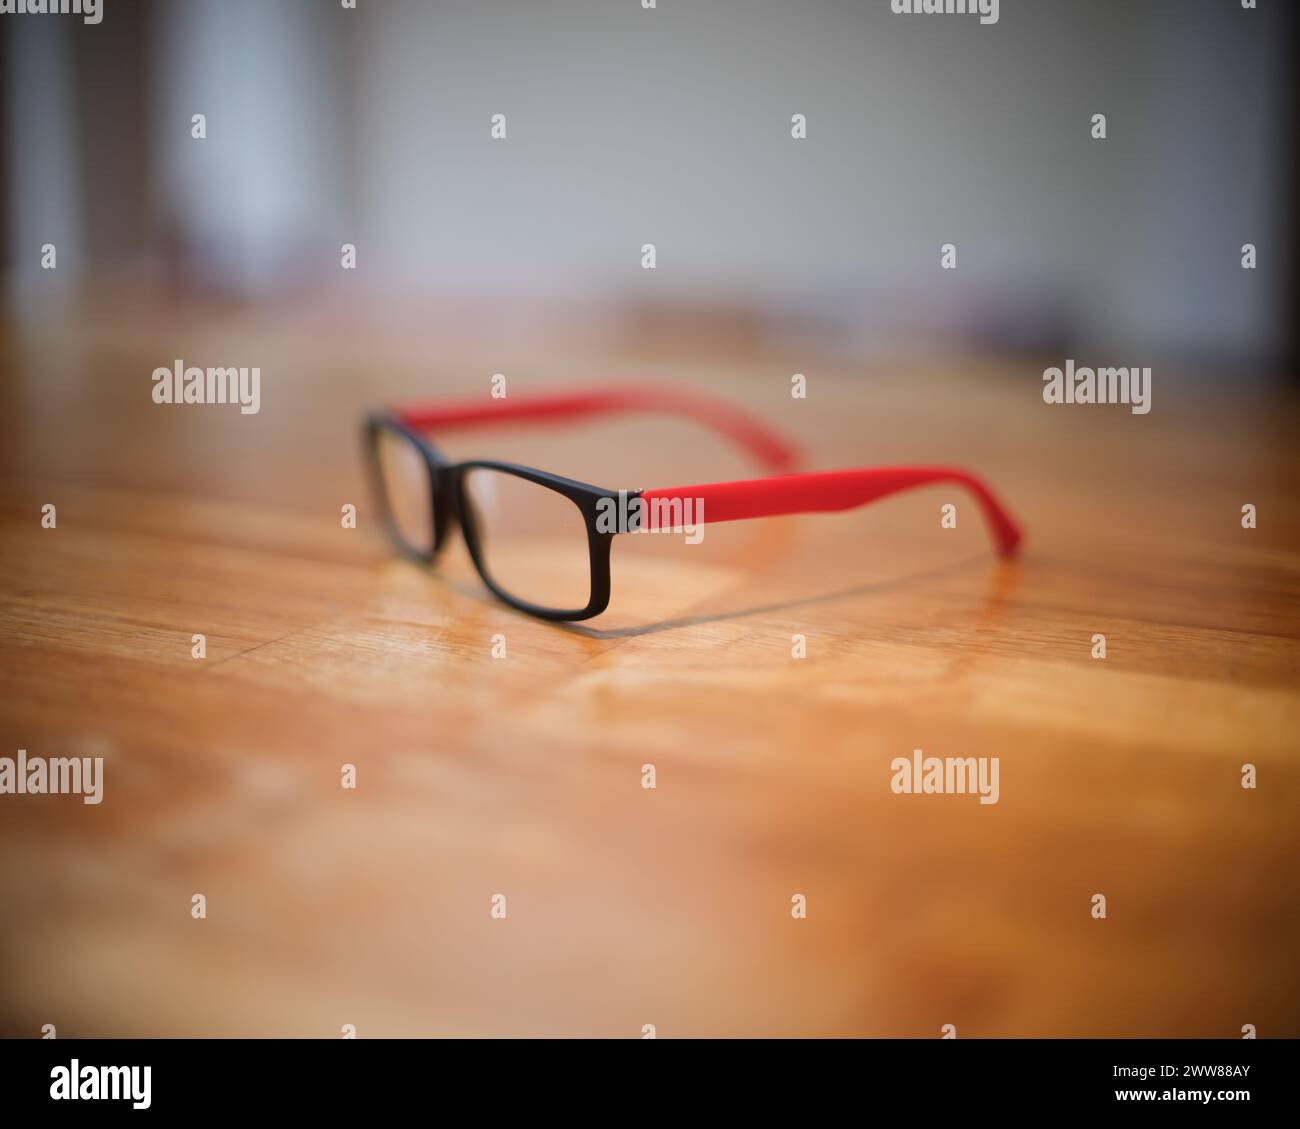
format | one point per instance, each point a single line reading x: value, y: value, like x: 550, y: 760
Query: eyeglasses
x: 541, y: 542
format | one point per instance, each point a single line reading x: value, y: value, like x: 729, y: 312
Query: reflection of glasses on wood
x: 542, y: 543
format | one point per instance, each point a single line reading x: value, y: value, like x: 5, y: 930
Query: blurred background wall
x: 672, y: 126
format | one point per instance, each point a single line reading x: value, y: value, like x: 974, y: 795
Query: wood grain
x: 523, y: 776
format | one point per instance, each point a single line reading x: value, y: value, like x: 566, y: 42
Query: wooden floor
x: 522, y: 776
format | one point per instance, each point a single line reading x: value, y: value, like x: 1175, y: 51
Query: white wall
x: 672, y: 126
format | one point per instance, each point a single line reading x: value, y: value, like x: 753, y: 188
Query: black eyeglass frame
x: 451, y: 504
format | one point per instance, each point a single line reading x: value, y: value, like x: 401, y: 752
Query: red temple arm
x: 769, y: 448
x: 820, y: 493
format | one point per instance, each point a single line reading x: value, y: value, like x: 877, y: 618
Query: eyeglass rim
x: 448, y: 499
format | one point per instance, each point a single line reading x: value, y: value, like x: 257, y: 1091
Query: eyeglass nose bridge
x: 446, y: 497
